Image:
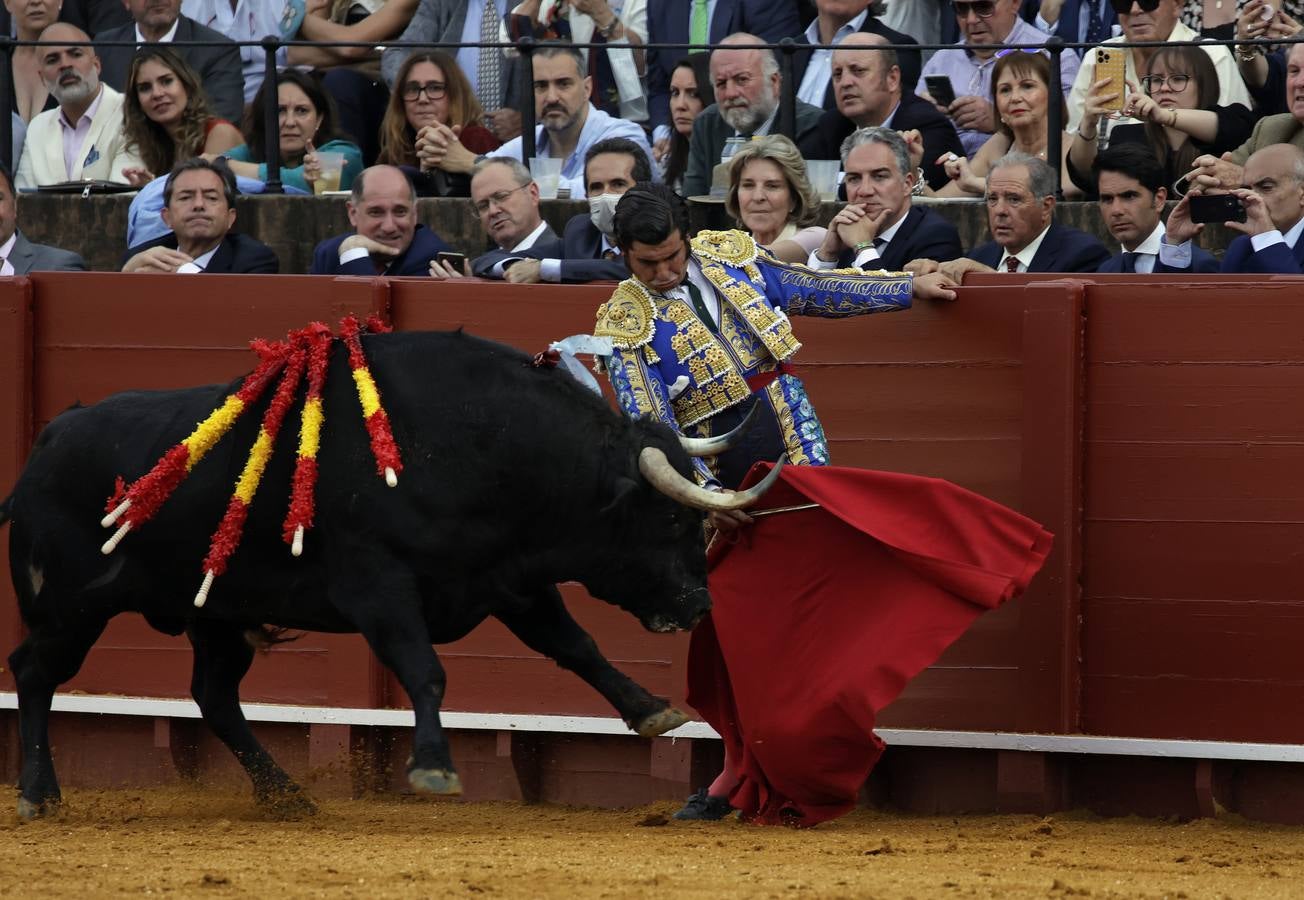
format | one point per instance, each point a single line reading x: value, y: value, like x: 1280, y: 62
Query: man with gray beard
x: 82, y: 138
x: 746, y: 80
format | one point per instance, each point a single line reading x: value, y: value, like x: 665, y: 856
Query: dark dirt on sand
x: 191, y: 842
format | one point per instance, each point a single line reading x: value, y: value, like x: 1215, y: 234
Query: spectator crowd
x: 1211, y: 119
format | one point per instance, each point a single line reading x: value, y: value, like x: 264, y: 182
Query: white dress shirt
x: 5, y: 249
x: 1147, y: 252
x: 866, y: 256
x: 198, y: 264
x: 524, y: 243
x: 815, y: 83
x: 1024, y: 256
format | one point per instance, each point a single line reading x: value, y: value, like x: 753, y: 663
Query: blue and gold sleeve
x: 834, y: 293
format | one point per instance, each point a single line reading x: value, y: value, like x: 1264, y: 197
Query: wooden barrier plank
x: 16, y: 422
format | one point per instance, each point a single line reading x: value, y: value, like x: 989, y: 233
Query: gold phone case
x: 1111, y: 62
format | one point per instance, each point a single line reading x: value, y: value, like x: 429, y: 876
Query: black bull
x: 515, y: 478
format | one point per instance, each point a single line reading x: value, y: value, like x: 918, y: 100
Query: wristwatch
x: 610, y: 28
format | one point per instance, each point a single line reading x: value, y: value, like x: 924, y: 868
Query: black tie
x: 1129, y: 262
x: 702, y: 312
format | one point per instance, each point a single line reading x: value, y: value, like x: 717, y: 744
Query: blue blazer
x: 1278, y: 259
x: 1063, y: 250
x: 415, y: 260
x: 909, y: 60
x: 580, y: 252
x: 1202, y: 262
x: 237, y: 254
x: 924, y: 234
x: 667, y: 23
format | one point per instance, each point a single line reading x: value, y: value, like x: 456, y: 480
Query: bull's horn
x: 714, y: 446
x: 662, y: 476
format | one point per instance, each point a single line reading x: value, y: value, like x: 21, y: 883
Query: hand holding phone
x: 1217, y: 208
x: 1111, y: 63
x: 940, y: 89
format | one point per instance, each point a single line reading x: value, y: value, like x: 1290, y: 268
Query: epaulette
x: 733, y: 248
x: 628, y: 318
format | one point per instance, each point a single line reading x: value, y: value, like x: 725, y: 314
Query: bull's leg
x: 42, y: 662
x: 391, y: 620
x: 222, y: 657
x: 546, y: 626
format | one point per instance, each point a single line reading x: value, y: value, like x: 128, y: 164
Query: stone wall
x: 292, y: 226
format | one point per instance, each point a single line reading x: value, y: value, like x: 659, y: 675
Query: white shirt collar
x: 1026, y: 255
x: 1151, y: 243
x: 813, y: 30
x: 166, y: 39
x: 1292, y: 236
x: 530, y: 239
x: 608, y: 245
x: 5, y: 250
x: 890, y: 232
x: 887, y: 123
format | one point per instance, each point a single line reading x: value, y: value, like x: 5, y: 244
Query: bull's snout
x: 689, y: 609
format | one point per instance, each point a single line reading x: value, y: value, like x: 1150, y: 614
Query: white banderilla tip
x: 116, y: 514
x: 203, y: 589
x: 112, y: 543
x: 391, y: 477
x: 296, y: 549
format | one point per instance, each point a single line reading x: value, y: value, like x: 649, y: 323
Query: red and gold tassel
x: 383, y: 447
x: 318, y: 339
x: 143, y: 499
x: 229, y: 531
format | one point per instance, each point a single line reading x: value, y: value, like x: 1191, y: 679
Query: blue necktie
x: 1095, y: 25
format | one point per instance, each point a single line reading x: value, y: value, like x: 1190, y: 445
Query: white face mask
x: 602, y: 211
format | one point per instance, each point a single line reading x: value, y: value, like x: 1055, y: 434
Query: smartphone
x: 1216, y: 208
x: 456, y: 260
x: 1111, y: 62
x: 939, y: 87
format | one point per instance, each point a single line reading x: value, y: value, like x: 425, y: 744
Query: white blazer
x: 102, y: 156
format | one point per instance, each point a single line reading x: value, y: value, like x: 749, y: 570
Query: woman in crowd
x: 1216, y: 19
x: 1021, y: 95
x: 690, y: 93
x: 307, y: 123
x: 431, y: 90
x: 770, y: 196
x: 28, y: 93
x: 166, y: 116
x: 1178, y: 112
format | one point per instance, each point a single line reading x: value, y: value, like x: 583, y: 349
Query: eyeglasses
x: 482, y: 206
x: 1124, y: 7
x: 1175, y: 83
x: 434, y: 90
x: 983, y: 9
x: 1008, y: 50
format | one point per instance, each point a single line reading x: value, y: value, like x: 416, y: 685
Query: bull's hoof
x: 27, y: 810
x: 667, y: 719
x: 435, y: 781
x: 287, y: 805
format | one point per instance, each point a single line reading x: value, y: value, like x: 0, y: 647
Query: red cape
x: 821, y: 617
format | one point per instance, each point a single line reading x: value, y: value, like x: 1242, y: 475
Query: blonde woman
x: 770, y: 196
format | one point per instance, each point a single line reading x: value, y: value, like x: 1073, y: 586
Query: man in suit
x: 835, y: 21
x: 199, y: 207
x: 88, y: 111
x: 1073, y: 21
x: 494, y: 78
x: 1020, y: 211
x: 1227, y: 173
x: 682, y: 21
x: 867, y: 86
x: 18, y: 255
x: 157, y: 21
x: 747, y: 87
x: 388, y: 240
x: 507, y: 199
x: 879, y: 228
x: 1132, y: 194
x: 587, y: 250
x: 1273, y: 198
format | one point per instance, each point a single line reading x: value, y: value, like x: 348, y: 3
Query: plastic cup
x: 823, y: 175
x: 332, y: 168
x: 546, y: 172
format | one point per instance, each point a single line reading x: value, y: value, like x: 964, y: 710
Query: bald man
x: 866, y: 82
x: 1272, y: 192
x: 82, y: 138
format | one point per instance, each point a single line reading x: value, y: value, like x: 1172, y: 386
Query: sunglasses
x: 983, y: 9
x: 1124, y: 7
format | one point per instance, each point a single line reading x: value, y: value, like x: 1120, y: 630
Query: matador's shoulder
x: 628, y: 318
x: 733, y: 248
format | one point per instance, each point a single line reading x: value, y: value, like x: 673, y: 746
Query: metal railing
x: 785, y: 120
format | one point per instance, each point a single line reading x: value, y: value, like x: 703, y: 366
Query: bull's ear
x: 622, y: 488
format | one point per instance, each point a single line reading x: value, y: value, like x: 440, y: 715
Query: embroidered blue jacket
x: 668, y: 364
